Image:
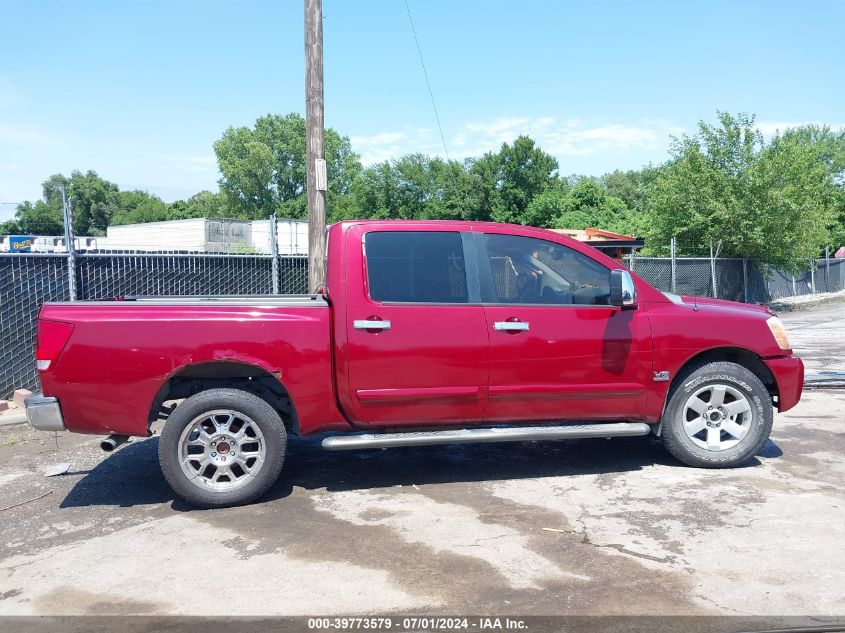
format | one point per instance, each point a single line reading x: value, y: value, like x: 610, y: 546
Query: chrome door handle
x: 363, y: 324
x: 510, y: 326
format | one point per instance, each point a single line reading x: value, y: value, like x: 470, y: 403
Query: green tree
x: 414, y: 186
x: 830, y: 147
x: 10, y: 227
x: 135, y: 207
x: 829, y: 144
x: 506, y: 182
x: 631, y: 186
x: 548, y: 205
x: 40, y: 218
x: 264, y: 167
x: 795, y: 200
x: 94, y: 200
x: 769, y: 202
x: 376, y: 193
x: 485, y: 181
x: 455, y: 192
x: 204, y: 204
x: 587, y: 205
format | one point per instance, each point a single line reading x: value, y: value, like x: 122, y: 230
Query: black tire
x: 758, y: 419
x: 196, y: 490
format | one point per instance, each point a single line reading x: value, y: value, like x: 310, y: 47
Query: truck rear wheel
x: 718, y: 416
x: 222, y: 447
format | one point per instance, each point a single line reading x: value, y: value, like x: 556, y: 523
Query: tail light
x: 52, y: 338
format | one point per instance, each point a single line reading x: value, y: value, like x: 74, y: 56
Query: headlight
x: 776, y: 326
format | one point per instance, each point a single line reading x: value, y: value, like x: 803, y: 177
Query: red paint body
x: 436, y: 365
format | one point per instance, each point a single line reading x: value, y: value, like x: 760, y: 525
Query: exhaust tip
x: 112, y: 442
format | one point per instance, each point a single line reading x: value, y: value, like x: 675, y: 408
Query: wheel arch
x: 192, y: 379
x: 738, y: 355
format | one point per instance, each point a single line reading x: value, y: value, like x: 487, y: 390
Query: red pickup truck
x: 426, y: 333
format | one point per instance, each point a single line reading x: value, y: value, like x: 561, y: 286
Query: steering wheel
x: 530, y: 291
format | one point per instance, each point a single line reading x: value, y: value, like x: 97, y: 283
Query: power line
x: 427, y: 82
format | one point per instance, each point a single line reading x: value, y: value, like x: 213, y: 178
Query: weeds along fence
x: 29, y: 280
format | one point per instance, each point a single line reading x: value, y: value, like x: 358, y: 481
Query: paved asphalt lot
x: 448, y: 529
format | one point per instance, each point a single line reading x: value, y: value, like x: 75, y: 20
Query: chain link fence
x: 106, y: 276
x: 29, y: 280
x: 695, y: 276
x: 737, y: 279
x: 26, y: 282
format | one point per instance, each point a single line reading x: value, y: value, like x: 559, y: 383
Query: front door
x: 416, y: 335
x: 558, y: 350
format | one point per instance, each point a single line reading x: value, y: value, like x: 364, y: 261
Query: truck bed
x: 122, y: 354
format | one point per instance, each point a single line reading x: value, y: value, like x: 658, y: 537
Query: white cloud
x: 567, y: 137
x: 770, y: 128
x: 382, y: 146
x: 377, y: 148
x: 193, y: 163
x: 618, y: 134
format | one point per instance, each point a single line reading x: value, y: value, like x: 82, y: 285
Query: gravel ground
x: 573, y: 528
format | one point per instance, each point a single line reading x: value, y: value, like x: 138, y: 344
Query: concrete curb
x: 788, y: 305
x: 12, y: 420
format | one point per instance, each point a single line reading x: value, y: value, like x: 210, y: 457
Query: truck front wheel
x: 222, y: 447
x: 718, y: 416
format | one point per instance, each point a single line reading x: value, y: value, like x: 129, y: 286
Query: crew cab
x: 426, y: 332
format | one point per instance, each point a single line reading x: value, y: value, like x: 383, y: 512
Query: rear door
x: 558, y: 350
x: 417, y: 343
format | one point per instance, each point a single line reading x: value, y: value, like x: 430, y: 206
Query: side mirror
x: 623, y: 292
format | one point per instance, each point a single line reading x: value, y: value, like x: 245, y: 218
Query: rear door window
x: 416, y: 267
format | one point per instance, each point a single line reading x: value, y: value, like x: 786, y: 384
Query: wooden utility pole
x: 316, y: 167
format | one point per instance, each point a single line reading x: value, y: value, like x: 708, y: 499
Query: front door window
x: 531, y: 271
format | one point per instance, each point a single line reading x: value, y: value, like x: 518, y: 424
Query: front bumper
x: 44, y: 413
x: 789, y: 376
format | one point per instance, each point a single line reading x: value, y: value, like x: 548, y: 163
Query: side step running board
x: 495, y: 434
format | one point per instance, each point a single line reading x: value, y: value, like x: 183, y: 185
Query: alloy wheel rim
x: 717, y: 417
x: 221, y: 450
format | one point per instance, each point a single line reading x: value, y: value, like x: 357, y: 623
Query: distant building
x: 198, y: 235
x: 50, y: 243
x: 615, y: 245
x: 209, y: 236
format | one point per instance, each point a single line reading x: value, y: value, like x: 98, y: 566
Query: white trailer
x: 194, y: 234
x: 291, y: 236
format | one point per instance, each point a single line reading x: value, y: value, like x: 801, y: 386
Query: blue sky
x: 139, y: 91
